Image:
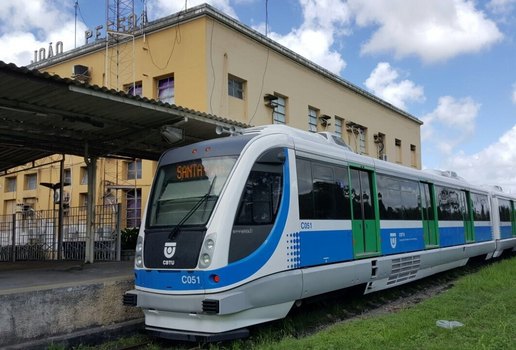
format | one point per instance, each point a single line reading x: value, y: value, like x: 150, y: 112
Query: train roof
x: 325, y: 146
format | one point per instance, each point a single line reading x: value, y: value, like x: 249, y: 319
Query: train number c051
x: 306, y: 225
x: 191, y: 280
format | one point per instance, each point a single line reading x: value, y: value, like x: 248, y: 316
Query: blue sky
x: 450, y: 63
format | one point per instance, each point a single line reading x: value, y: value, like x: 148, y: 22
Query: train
x: 239, y: 229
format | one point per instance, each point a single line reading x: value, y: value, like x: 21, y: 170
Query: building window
x: 397, y: 143
x: 134, y: 89
x: 312, y: 119
x: 338, y: 126
x: 9, y: 208
x: 134, y: 205
x: 166, y: 92
x: 67, y: 176
x: 413, y: 156
x: 357, y: 137
x: 280, y: 111
x: 84, y: 175
x: 31, y: 181
x: 83, y: 199
x: 236, y: 87
x: 10, y: 184
x: 134, y: 169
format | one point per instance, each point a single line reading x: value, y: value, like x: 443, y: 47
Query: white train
x: 238, y: 229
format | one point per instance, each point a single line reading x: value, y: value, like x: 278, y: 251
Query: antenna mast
x: 120, y: 29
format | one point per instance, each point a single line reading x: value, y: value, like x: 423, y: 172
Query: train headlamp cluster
x: 207, y: 251
x: 138, y: 258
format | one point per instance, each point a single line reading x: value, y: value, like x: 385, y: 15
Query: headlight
x: 210, y: 244
x: 138, y: 257
x: 206, y: 259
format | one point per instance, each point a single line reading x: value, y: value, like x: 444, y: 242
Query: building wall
x: 200, y: 55
x: 238, y: 55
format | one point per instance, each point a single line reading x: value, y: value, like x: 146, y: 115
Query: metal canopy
x: 43, y: 114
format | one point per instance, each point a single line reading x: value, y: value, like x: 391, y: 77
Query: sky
x: 450, y: 63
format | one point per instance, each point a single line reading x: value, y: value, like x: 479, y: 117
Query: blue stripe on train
x: 483, y: 233
x: 450, y: 236
x: 199, y: 280
x: 505, y: 232
x: 324, y: 247
x: 401, y: 240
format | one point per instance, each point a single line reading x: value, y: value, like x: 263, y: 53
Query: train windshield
x: 185, y: 193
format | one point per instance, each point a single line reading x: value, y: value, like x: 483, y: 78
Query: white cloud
x: 323, y: 22
x: 451, y: 123
x: 24, y: 29
x: 495, y: 165
x: 163, y: 8
x: 514, y: 93
x: 434, y: 30
x: 385, y: 82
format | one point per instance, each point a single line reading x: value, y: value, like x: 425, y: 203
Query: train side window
x: 304, y: 186
x: 258, y: 206
x: 397, y: 198
x: 260, y: 199
x: 323, y: 191
x: 389, y: 198
x: 450, y: 204
x: 505, y: 210
x: 409, y: 200
x: 480, y: 204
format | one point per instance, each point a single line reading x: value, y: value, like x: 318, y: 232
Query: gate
x: 33, y: 235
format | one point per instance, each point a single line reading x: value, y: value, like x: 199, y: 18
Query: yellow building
x: 203, y: 60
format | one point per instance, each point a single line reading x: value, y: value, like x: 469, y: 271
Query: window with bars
x: 134, y: 169
x: 134, y: 207
x: 236, y: 87
x: 312, y: 119
x: 84, y: 175
x: 279, y: 116
x: 166, y: 92
x: 10, y: 184
x: 67, y: 176
x: 397, y: 143
x: 31, y: 181
x: 338, y: 126
x: 134, y: 89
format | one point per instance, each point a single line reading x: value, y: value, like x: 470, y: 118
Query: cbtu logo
x: 393, y: 240
x: 169, y: 249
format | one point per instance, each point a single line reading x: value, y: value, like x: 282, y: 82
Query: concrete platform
x: 45, y: 300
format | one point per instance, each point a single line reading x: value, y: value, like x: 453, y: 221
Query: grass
x: 485, y: 302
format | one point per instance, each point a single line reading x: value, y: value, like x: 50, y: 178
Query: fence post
x: 118, y: 232
x: 13, y: 240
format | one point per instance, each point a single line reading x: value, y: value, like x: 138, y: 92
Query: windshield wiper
x: 180, y: 224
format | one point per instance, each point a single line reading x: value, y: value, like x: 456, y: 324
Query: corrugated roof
x: 43, y: 114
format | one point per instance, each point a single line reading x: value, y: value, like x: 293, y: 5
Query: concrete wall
x: 31, y: 315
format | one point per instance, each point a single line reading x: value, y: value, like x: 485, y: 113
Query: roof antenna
x: 267, y: 18
x: 75, y: 33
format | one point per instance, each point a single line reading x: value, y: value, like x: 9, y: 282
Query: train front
x: 210, y: 258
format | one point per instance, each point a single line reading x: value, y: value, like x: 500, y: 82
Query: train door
x: 364, y: 220
x: 469, y: 227
x: 430, y: 226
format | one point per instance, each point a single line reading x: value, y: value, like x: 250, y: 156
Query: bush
x: 129, y: 237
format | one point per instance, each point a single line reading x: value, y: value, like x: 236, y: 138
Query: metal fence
x: 33, y: 235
